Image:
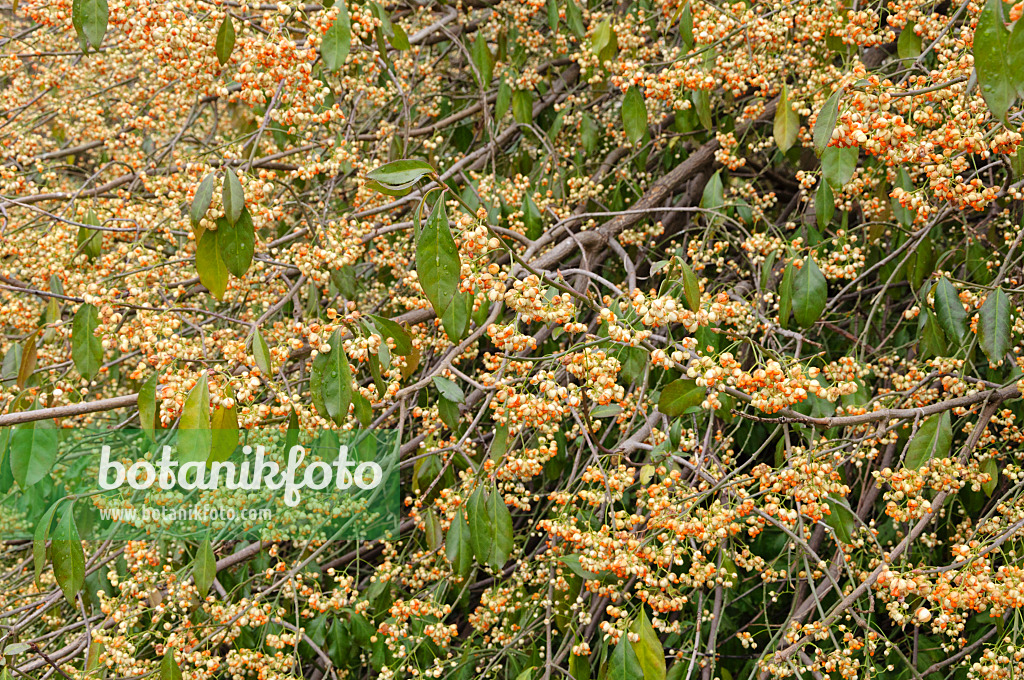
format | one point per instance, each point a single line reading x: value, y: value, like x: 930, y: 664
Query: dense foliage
x: 699, y: 324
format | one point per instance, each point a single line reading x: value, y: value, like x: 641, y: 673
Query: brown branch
x: 789, y: 416
x: 596, y: 240
x: 69, y: 410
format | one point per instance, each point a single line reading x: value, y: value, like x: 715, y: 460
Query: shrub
x: 697, y: 324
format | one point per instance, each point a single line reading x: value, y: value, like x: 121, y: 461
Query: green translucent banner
x: 259, y: 484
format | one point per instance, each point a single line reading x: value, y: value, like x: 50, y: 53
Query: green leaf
x: 589, y: 133
x: 691, y: 287
x: 499, y: 445
x: 213, y: 271
x: 375, y: 373
x: 503, y: 100
x: 225, y: 40
x: 680, y: 395
x: 932, y: 341
x: 169, y: 667
x: 648, y: 648
x: 344, y: 278
x: 500, y: 517
x: 86, y: 348
x: 201, y: 202
x: 204, y: 568
x: 481, y: 533
x: 483, y: 60
x: 579, y: 667
x: 390, y: 329
x: 224, y: 430
x: 908, y: 46
x: 449, y: 389
x: 787, y: 123
x: 786, y: 295
x: 991, y: 46
x: 457, y: 316
x: 1017, y: 159
x: 634, y: 114
x: 33, y: 451
x: 810, y: 293
x: 148, y: 407
x: 432, y: 529
x: 842, y: 521
x: 991, y: 468
x: 195, y: 441
x: 53, y: 316
x: 574, y: 19
x: 573, y: 562
x: 933, y: 439
x: 39, y: 538
x: 90, y: 17
x: 337, y: 41
x: 261, y: 352
x: 339, y: 643
x: 317, y: 371
x: 1015, y: 57
x: 633, y: 362
x: 394, y: 33
x: 713, y: 198
x: 838, y: 164
x: 450, y: 415
x: 11, y: 363
x: 826, y: 122
x: 400, y: 173
x: 977, y: 263
x: 490, y: 526
x: 919, y: 265
x: 905, y: 216
x: 601, y: 36
x: 623, y: 663
x: 67, y: 555
x: 610, y: 50
x: 237, y: 243
x: 702, y: 101
x: 522, y: 106
x: 556, y: 126
x: 457, y: 545
x: 824, y: 205
x: 337, y: 381
x: 399, y: 39
x: 994, y: 326
x: 686, y: 26
x: 532, y: 219
x: 90, y: 241
x: 362, y: 408
x: 402, y: 190
x: 92, y: 659
x: 28, y: 360
x: 233, y: 196
x: 950, y: 311
x: 292, y: 433
x: 437, y: 260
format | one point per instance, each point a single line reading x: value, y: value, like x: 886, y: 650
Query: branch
x: 69, y: 410
x: 789, y: 416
